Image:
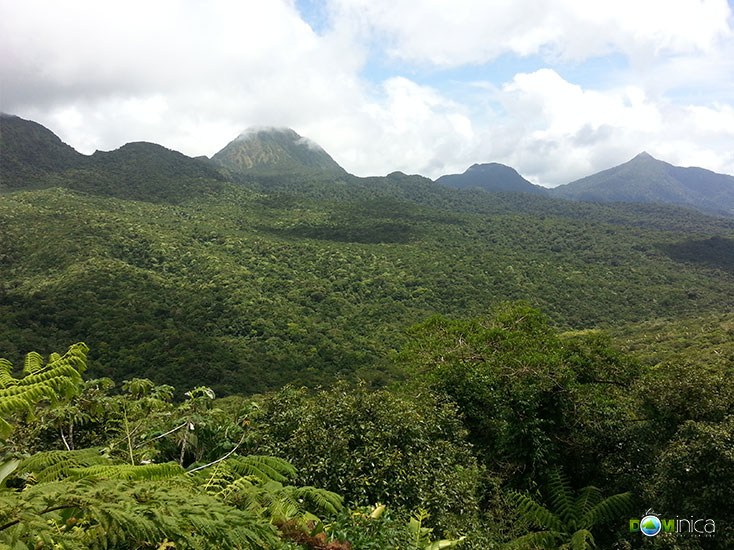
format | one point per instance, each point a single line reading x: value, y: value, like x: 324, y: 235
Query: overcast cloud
x: 557, y: 89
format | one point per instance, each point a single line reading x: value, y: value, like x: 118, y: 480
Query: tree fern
x: 61, y: 375
x: 568, y: 523
x: 150, y: 472
x: 126, y: 514
x: 56, y: 465
x: 265, y: 468
x: 255, y: 483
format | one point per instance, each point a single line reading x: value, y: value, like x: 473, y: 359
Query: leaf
x: 6, y: 469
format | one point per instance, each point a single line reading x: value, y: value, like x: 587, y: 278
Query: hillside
x: 31, y: 154
x: 646, y: 179
x: 170, y: 272
x: 275, y: 151
x: 33, y: 157
x: 492, y: 177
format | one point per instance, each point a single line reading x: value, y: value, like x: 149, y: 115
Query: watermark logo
x: 651, y: 525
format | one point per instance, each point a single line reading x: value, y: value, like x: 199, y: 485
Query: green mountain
x: 169, y: 271
x: 646, y: 179
x: 33, y: 157
x: 31, y: 154
x: 649, y: 524
x: 275, y: 151
x: 146, y: 171
x: 492, y: 177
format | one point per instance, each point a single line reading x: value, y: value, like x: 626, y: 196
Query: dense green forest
x: 272, y: 287
x: 315, y: 360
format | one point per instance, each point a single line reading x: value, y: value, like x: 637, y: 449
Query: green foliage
x: 694, y: 476
x: 529, y: 397
x: 57, y: 465
x: 249, y: 288
x: 125, y: 514
x: 568, y: 520
x: 60, y: 376
x: 377, y: 529
x: 406, y: 451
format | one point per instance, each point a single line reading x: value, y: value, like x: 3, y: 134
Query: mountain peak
x: 253, y: 131
x: 644, y: 156
x: 272, y: 149
x: 646, y: 179
x: 492, y: 177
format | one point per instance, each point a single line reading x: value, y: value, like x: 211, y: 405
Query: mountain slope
x: 248, y: 287
x: 275, y: 150
x: 492, y: 177
x: 646, y: 179
x: 33, y: 157
x: 147, y: 171
x: 30, y: 153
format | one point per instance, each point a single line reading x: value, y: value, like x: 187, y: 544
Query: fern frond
x: 609, y: 509
x: 588, y: 498
x: 536, y: 514
x: 116, y: 513
x: 33, y: 363
x: 581, y: 540
x: 147, y: 472
x: 321, y: 500
x: 39, y: 383
x: 6, y: 374
x: 560, y: 497
x: 56, y: 465
x: 20, y: 398
x: 265, y: 468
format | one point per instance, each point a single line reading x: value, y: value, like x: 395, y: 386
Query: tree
x: 530, y: 397
x: 60, y: 376
x: 376, y: 446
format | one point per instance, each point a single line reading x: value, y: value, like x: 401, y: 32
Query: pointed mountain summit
x: 492, y: 177
x: 646, y: 179
x: 274, y: 151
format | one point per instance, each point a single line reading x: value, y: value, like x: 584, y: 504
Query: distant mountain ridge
x: 32, y: 157
x: 648, y: 180
x: 275, y: 150
x: 492, y: 177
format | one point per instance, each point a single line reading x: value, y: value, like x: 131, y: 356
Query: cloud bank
x: 384, y: 85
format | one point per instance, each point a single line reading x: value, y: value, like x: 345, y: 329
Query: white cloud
x: 192, y: 75
x: 562, y: 131
x: 465, y: 31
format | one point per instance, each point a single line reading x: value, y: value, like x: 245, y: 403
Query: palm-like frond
x: 56, y: 465
x: 536, y: 513
x: 39, y: 383
x: 607, y: 510
x: 561, y: 498
x: 148, y: 472
x: 580, y: 540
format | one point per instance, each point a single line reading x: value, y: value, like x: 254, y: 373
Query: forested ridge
x: 315, y: 360
x: 272, y: 286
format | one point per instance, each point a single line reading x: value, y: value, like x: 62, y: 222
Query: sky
x: 556, y: 89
